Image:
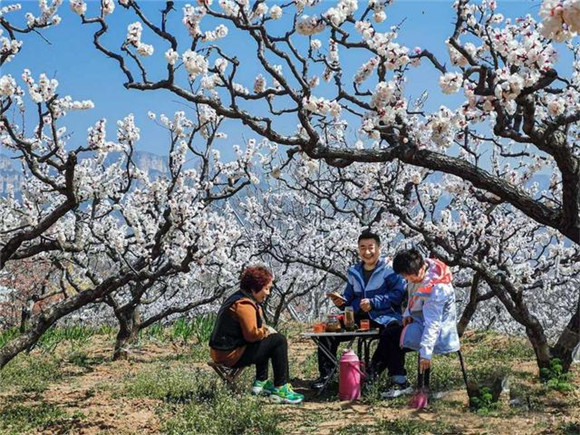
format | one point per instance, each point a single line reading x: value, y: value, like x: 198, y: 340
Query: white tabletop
x: 369, y: 333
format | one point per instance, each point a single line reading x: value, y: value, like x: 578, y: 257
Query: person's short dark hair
x: 255, y: 278
x: 368, y: 234
x: 408, y: 262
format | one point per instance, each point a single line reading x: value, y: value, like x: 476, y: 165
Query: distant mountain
x: 151, y: 163
x: 11, y: 174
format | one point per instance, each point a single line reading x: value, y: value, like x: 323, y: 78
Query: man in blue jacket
x: 376, y: 293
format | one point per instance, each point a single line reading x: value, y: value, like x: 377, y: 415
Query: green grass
x: 404, y: 426
x: 20, y: 418
x: 488, y: 345
x: 225, y: 413
x: 30, y: 373
x: 308, y: 368
x: 196, y: 401
x: 8, y: 335
x: 570, y: 428
x: 108, y: 330
x: 182, y: 331
x: 155, y: 332
x: 192, y: 399
x: 77, y: 336
x: 198, y: 328
x: 173, y: 383
x: 202, y: 327
x: 555, y: 378
x: 79, y: 358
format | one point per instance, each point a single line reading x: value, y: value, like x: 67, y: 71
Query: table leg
x: 364, y: 349
x: 331, y: 357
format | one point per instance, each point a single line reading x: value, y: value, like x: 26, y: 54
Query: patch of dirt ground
x: 83, y: 391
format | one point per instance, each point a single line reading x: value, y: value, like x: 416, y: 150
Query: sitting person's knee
x: 278, y: 338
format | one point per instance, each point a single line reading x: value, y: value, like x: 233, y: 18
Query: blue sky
x: 85, y: 73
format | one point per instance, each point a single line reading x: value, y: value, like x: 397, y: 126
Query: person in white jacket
x: 430, y: 319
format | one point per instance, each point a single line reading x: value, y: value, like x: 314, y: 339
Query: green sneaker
x: 263, y: 388
x: 285, y: 394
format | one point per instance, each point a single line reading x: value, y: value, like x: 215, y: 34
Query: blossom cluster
x: 78, y: 6
x: 338, y: 15
x: 61, y: 106
x: 450, y: 83
x: 231, y: 7
x: 220, y: 32
x: 9, y: 47
x: 395, y: 55
x: 42, y: 91
x: 192, y: 16
x: 444, y: 124
x: 108, y: 6
x: 10, y: 8
x: 366, y: 70
x: 171, y: 55
x: 561, y: 19
x: 259, y: 84
x: 260, y: 9
x: 309, y: 25
x: 7, y: 86
x: 276, y: 12
x: 457, y: 58
x: 379, y: 14
x: 134, y: 32
x: 322, y: 106
x: 508, y: 86
x: 195, y: 63
x: 521, y: 44
x: 47, y: 15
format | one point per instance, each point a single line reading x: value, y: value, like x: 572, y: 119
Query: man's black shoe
x: 318, y: 384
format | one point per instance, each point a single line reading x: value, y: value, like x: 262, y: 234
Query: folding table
x: 364, y: 340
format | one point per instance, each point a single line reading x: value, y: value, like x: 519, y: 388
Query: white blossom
x: 450, y: 83
x: 366, y: 70
x: 78, y: 6
x: 7, y: 86
x: 108, y: 7
x: 561, y: 19
x: 134, y: 32
x: 276, y: 12
x: 309, y: 25
x: 192, y: 17
x: 194, y: 63
x: 171, y: 56
x: 220, y: 32
x: 380, y: 16
x: 259, y: 84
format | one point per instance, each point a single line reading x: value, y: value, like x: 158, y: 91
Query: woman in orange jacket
x: 241, y: 337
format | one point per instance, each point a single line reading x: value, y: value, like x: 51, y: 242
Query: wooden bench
x: 228, y: 374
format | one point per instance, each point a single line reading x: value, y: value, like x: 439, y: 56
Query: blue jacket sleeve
x: 394, y: 290
x: 348, y: 293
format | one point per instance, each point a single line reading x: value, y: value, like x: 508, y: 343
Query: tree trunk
x: 541, y: 347
x: 40, y: 323
x: 26, y: 340
x: 568, y: 340
x: 129, y: 325
x: 471, y: 306
x: 466, y: 316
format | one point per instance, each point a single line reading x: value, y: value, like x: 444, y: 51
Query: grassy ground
x: 68, y: 384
